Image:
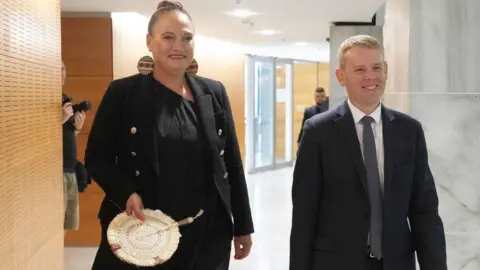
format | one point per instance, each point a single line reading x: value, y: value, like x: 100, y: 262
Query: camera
x: 83, y: 106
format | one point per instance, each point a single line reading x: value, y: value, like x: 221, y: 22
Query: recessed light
x: 267, y: 32
x: 300, y: 43
x: 242, y: 13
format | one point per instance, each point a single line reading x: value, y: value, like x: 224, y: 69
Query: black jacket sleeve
x: 426, y: 224
x: 100, y: 155
x: 306, y: 196
x: 305, y: 118
x: 243, y: 223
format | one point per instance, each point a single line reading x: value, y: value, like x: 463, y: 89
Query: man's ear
x: 340, y: 76
x: 386, y: 69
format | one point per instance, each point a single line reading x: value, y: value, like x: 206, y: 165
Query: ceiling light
x: 300, y: 44
x: 242, y: 13
x: 267, y: 32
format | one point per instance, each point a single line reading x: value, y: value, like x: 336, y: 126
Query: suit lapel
x: 348, y: 133
x: 389, y: 138
x: 206, y: 110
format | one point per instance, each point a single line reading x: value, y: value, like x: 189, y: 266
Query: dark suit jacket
x: 331, y: 206
x: 309, y: 113
x: 121, y: 145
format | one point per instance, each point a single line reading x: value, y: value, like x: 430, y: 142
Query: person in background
x: 72, y: 124
x: 167, y: 141
x: 364, y: 197
x: 319, y: 107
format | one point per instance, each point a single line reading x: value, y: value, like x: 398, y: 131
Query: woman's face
x: 171, y: 42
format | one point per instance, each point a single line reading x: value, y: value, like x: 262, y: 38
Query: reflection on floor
x: 271, y: 208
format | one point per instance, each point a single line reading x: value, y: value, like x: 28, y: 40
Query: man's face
x: 319, y: 97
x: 364, y: 75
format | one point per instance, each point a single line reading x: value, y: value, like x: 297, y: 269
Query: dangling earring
x: 192, y: 69
x: 145, y: 65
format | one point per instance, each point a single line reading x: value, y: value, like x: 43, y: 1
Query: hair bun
x: 169, y: 5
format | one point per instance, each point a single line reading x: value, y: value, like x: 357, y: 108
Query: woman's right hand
x: 135, y: 206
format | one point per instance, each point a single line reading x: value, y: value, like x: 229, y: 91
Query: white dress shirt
x: 377, y: 128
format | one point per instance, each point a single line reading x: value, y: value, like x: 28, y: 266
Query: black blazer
x: 331, y: 206
x: 309, y: 113
x: 121, y: 150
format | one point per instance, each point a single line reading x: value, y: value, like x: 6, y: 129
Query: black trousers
x: 205, y: 245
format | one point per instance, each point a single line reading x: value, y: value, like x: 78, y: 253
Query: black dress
x: 184, y: 188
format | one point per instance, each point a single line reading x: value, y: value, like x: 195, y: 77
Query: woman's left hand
x: 242, y: 244
x: 79, y: 120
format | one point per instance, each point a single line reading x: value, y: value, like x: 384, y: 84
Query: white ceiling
x: 298, y: 20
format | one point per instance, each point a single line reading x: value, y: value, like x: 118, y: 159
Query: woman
x: 167, y: 141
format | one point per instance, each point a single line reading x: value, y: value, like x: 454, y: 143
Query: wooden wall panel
x: 87, y: 46
x: 280, y: 137
x: 323, y: 75
x: 304, y: 84
x: 31, y: 182
x: 87, y: 53
x: 227, y: 66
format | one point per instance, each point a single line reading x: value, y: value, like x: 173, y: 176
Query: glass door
x: 264, y: 116
x: 283, y: 113
x: 268, y: 103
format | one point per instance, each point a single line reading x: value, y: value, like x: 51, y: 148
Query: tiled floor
x: 271, y: 209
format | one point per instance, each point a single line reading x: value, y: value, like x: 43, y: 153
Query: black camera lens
x: 83, y: 106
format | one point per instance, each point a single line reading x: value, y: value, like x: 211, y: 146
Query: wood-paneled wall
x: 87, y: 54
x: 31, y: 182
x: 225, y: 62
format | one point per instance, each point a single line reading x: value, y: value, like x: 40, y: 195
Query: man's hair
x: 319, y: 90
x: 364, y: 41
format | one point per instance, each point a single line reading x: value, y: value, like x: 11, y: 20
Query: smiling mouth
x: 177, y: 56
x: 371, y: 87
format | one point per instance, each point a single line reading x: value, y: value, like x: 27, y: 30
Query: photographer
x: 72, y: 120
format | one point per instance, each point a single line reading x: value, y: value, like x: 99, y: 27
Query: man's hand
x: 242, y: 244
x: 67, y: 112
x: 79, y: 120
x: 135, y: 206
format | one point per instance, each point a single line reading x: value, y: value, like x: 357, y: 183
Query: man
x: 72, y: 125
x: 321, y: 105
x: 364, y: 198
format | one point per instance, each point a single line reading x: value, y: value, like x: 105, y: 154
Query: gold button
x: 222, y: 152
x: 220, y: 132
x: 137, y: 173
x: 134, y: 154
x: 133, y: 130
x: 225, y: 175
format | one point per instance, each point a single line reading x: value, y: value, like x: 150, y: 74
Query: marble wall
x: 450, y: 122
x: 432, y: 51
